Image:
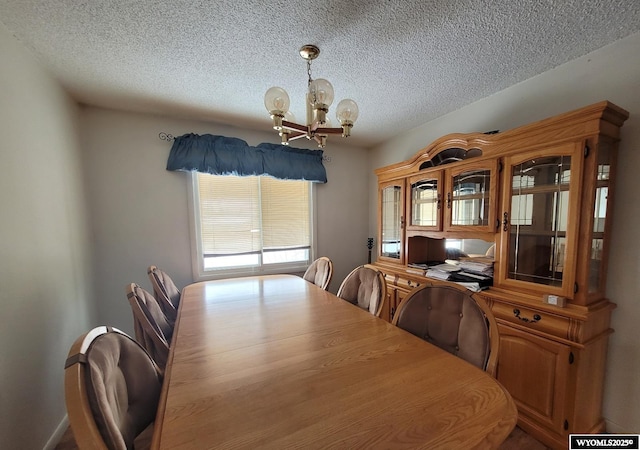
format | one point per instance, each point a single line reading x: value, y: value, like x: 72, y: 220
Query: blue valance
x: 220, y: 155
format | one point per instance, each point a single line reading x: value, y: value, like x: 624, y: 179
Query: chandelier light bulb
x: 321, y: 92
x: 347, y: 111
x: 276, y: 100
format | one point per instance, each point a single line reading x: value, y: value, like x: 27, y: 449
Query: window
x: 254, y: 224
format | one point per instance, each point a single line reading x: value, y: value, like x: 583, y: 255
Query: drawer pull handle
x: 536, y: 317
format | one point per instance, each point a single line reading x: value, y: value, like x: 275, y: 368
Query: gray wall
x: 611, y: 73
x: 140, y: 215
x: 44, y: 252
x: 84, y: 193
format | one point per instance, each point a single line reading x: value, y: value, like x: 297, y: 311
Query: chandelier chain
x: 309, y: 71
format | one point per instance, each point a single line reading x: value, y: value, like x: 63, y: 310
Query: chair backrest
x: 365, y: 287
x: 112, y: 389
x: 165, y: 291
x: 153, y: 330
x: 454, y: 321
x: 320, y: 272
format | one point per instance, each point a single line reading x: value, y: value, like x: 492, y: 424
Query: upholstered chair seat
x: 453, y: 320
x: 365, y: 287
x: 112, y: 389
x: 320, y: 272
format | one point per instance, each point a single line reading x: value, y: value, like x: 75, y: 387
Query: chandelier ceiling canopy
x: 318, y: 99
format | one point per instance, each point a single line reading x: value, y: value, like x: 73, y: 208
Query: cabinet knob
x: 448, y: 200
x: 505, y: 221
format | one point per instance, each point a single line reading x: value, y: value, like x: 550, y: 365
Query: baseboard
x: 57, y: 434
x: 614, y: 428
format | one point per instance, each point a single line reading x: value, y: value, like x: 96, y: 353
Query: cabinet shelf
x: 524, y: 231
x: 534, y: 190
x: 478, y: 196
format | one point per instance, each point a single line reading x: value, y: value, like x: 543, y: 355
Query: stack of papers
x: 479, y: 265
x: 476, y: 273
x: 442, y: 271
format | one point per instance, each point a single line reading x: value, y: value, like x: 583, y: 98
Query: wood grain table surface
x: 276, y: 362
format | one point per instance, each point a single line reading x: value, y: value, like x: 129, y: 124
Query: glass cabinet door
x: 391, y: 221
x: 597, y: 261
x: 539, y: 222
x: 471, y: 197
x: 425, y: 198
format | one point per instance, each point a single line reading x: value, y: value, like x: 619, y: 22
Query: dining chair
x: 165, y: 291
x: 364, y: 286
x: 112, y: 388
x: 320, y: 272
x: 153, y: 330
x: 453, y: 320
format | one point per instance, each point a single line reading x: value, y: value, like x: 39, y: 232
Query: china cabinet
x: 538, y: 200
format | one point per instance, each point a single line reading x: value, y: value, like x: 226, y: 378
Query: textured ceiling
x: 403, y: 62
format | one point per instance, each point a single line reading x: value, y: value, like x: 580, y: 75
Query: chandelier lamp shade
x: 319, y: 98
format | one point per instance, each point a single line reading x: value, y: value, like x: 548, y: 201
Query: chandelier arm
x: 295, y: 136
x: 294, y: 126
x: 320, y: 130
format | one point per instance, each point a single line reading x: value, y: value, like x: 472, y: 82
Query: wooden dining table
x: 275, y: 362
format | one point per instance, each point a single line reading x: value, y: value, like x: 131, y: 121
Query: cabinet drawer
x: 532, y: 319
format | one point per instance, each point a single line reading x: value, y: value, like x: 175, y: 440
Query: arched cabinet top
x: 602, y: 118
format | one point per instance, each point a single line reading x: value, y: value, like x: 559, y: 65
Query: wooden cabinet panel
x: 535, y: 371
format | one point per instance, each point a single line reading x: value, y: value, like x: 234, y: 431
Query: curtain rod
x: 170, y: 137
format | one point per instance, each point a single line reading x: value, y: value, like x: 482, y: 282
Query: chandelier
x: 319, y: 98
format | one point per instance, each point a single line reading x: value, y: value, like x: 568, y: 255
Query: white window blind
x: 252, y: 221
x: 229, y: 215
x: 285, y: 213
